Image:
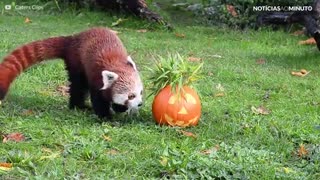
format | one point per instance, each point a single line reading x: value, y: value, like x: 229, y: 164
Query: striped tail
x: 27, y: 55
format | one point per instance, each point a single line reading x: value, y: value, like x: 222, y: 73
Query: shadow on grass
x: 309, y: 57
x: 58, y: 110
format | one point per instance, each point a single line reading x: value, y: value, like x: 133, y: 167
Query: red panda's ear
x: 131, y: 62
x: 108, y: 78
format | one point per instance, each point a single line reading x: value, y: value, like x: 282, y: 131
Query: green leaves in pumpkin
x: 174, y: 71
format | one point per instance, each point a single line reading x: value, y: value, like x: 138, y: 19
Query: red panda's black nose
x: 140, y: 104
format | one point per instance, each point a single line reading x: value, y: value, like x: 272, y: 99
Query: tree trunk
x: 137, y: 7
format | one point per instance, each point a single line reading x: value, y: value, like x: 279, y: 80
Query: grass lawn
x: 233, y: 140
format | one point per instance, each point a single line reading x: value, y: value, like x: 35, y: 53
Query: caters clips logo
x: 7, y: 7
x: 23, y: 7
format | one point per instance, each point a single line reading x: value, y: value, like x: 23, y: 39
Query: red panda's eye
x: 131, y: 96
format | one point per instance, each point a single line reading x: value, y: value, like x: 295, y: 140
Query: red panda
x: 97, y: 63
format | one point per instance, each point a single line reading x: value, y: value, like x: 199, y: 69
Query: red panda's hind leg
x: 78, y: 90
x: 100, y: 106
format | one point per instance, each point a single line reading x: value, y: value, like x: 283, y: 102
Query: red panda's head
x: 125, y: 87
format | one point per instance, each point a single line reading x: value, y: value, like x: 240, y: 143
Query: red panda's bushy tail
x: 27, y: 55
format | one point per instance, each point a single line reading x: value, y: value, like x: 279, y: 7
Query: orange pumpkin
x: 169, y: 108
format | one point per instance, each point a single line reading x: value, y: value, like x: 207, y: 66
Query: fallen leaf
x: 142, y: 30
x: 261, y: 61
x: 113, y: 152
x: 180, y: 35
x: 63, y: 90
x: 210, y: 74
x: 309, y: 41
x: 211, y: 150
x: 194, y: 59
x: 297, y: 74
x: 164, y: 161
x: 119, y: 21
x: 186, y: 133
x: 16, y: 137
x: 232, y: 10
x: 301, y: 73
x: 46, y: 150
x: 302, y: 151
x: 219, y: 94
x: 52, y: 156
x: 260, y: 110
x: 27, y: 112
x: 5, y: 166
x: 27, y: 20
x: 107, y: 138
x: 298, y: 32
x: 287, y: 170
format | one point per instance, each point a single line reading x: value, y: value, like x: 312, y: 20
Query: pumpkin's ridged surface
x: 169, y: 109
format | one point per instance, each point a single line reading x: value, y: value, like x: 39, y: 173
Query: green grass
x: 69, y: 144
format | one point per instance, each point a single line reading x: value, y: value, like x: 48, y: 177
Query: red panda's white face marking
x: 129, y: 101
x: 126, y: 88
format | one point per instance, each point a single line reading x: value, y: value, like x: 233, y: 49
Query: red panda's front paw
x: 3, y: 93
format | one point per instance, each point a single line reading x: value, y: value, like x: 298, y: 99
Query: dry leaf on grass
x: 287, y: 170
x: 16, y: 137
x: 260, y: 110
x: 107, y: 138
x: 297, y: 33
x: 211, y: 150
x: 219, y: 94
x: 180, y: 35
x: 27, y: 20
x: 302, y: 151
x: 112, y: 152
x: 142, y: 30
x: 232, y: 10
x: 27, y: 112
x: 163, y: 161
x: 309, y: 41
x: 186, y: 133
x: 194, y: 59
x: 52, y: 156
x: 63, y: 90
x: 261, y: 61
x: 5, y: 166
x: 300, y: 73
x: 46, y: 150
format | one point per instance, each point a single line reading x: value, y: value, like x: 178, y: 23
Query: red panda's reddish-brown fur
x: 86, y: 55
x: 25, y: 56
